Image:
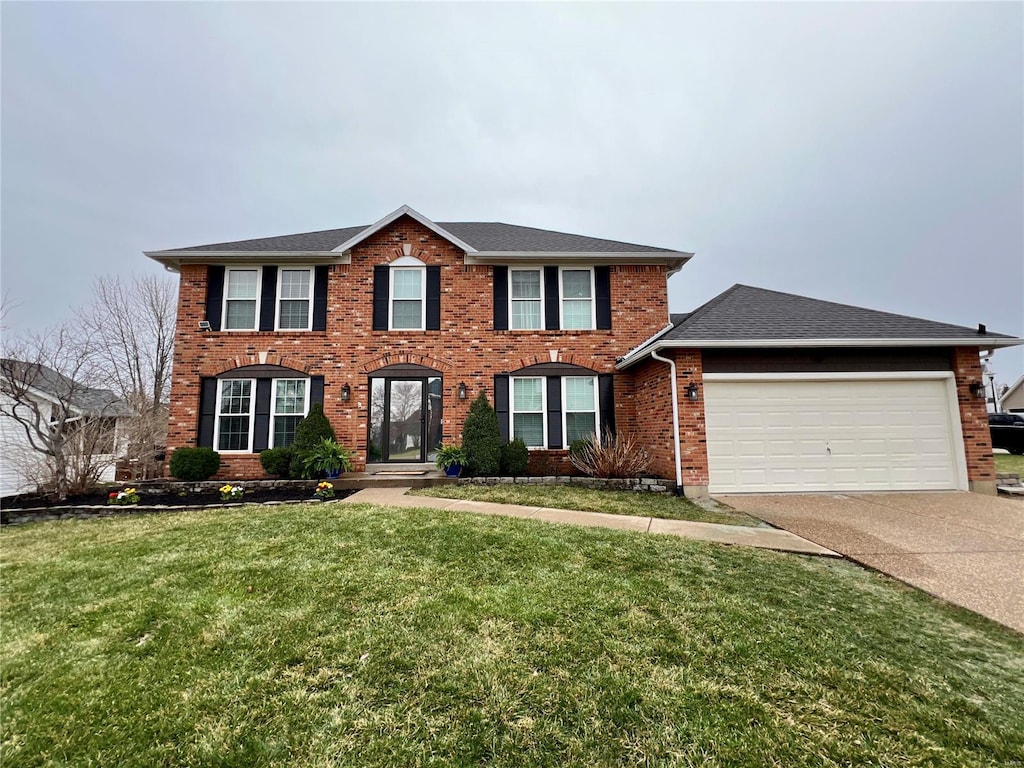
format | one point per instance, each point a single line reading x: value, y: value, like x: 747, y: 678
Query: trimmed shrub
x: 514, y: 457
x: 277, y: 461
x: 308, y: 434
x: 481, y: 438
x: 579, y: 446
x: 194, y: 464
x: 616, y: 456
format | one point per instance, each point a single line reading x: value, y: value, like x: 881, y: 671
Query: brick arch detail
x: 271, y: 358
x: 405, y: 358
x: 568, y: 358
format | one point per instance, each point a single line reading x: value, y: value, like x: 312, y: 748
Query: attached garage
x: 838, y: 432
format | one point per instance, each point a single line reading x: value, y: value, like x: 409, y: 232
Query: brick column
x: 693, y: 448
x: 981, y: 470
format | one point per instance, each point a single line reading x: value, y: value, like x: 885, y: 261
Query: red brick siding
x: 466, y: 349
x: 973, y: 415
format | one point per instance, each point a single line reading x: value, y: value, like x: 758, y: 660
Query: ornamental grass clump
x: 614, y: 456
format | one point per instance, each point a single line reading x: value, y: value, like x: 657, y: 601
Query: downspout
x: 675, y: 417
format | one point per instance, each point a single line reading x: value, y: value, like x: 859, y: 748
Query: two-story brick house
x: 395, y: 327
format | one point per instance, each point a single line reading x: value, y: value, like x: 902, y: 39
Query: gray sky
x: 864, y: 153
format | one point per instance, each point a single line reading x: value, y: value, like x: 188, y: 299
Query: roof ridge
x: 558, y: 232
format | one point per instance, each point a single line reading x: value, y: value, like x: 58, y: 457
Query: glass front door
x: 405, y: 419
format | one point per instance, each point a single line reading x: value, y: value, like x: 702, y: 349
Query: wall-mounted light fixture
x: 692, y: 393
x: 978, y: 388
x: 204, y: 325
x: 462, y: 390
x: 346, y: 393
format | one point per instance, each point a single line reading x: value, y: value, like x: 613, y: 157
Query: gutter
x: 675, y: 418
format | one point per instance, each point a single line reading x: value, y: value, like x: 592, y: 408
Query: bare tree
x: 60, y: 419
x: 132, y: 324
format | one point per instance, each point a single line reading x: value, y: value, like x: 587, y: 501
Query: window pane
x: 290, y: 396
x: 525, y: 316
x: 530, y: 427
x: 576, y: 315
x: 284, y: 430
x: 525, y: 285
x: 235, y: 396
x: 294, y: 283
x: 233, y: 434
x: 527, y: 395
x: 241, y: 315
x: 579, y: 393
x: 294, y: 314
x: 407, y: 314
x: 242, y: 283
x: 575, y: 283
x: 406, y: 283
x: 579, y: 425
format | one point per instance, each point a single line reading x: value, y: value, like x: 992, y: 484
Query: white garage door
x: 793, y: 434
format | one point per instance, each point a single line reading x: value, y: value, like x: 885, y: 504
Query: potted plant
x: 326, y: 459
x: 451, y: 458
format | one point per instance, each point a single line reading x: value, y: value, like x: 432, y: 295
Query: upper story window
x: 528, y: 412
x: 577, y: 293
x: 291, y: 402
x: 526, y: 311
x: 408, y: 299
x: 294, y: 299
x: 233, y: 427
x: 241, y: 299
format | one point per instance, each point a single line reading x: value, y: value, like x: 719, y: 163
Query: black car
x: 1007, y: 431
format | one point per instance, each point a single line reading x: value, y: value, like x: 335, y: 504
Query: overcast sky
x: 864, y: 153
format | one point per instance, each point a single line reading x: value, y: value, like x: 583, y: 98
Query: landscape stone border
x: 638, y: 484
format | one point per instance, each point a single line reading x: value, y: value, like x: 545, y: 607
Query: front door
x: 405, y: 419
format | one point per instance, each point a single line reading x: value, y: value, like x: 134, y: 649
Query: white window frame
x: 540, y: 278
x: 278, y: 299
x: 259, y: 293
x: 423, y: 297
x: 562, y: 299
x: 273, y: 405
x: 543, y: 409
x: 565, y: 410
x: 218, y: 414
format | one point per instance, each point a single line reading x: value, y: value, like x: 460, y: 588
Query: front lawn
x: 1007, y: 462
x: 589, y: 500
x: 354, y: 635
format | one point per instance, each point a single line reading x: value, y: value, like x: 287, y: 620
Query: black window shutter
x: 603, y: 293
x: 207, y: 409
x: 501, y: 404
x: 554, y: 411
x: 433, y: 298
x: 380, y: 298
x: 551, y: 298
x: 320, y: 277
x: 606, y: 400
x: 268, y: 299
x: 261, y: 422
x: 501, y: 298
x: 214, y: 296
x: 316, y: 390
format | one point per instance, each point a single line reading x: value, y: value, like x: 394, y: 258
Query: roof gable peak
x: 396, y: 214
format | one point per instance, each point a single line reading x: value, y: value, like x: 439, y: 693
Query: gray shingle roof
x: 89, y: 400
x: 745, y: 313
x: 482, y: 235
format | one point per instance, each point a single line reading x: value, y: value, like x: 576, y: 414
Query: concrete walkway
x: 966, y: 548
x: 765, y: 538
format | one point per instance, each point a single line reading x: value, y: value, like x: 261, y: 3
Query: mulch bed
x: 172, y: 498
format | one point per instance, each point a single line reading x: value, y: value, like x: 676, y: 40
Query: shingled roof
x: 747, y: 316
x: 91, y: 401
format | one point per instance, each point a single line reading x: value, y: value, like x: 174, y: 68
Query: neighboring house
x: 396, y: 327
x: 41, y: 389
x: 1012, y: 400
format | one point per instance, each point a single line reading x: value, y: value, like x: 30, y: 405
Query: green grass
x: 590, y: 500
x: 1006, y: 462
x: 354, y: 635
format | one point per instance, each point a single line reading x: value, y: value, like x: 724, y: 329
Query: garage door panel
x: 830, y: 435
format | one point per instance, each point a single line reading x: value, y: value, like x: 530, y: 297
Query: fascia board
x: 174, y: 259
x: 639, y: 354
x: 673, y: 260
x: 405, y: 210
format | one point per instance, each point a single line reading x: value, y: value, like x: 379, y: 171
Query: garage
x: 833, y: 432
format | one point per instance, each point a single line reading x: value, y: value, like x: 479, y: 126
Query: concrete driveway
x: 964, y: 547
